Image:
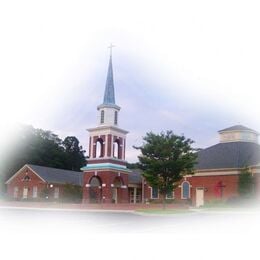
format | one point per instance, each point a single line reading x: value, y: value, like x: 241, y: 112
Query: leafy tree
x: 132, y: 165
x: 74, y: 153
x: 28, y: 145
x: 165, y: 159
x: 245, y: 183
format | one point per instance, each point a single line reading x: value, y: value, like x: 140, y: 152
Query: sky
x: 187, y: 66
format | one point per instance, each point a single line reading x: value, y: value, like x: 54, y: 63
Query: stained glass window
x: 185, y: 190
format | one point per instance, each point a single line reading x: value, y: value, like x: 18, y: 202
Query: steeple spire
x: 109, y: 96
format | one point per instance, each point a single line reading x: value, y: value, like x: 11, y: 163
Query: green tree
x: 75, y: 157
x: 245, y: 183
x: 165, y: 159
x: 28, y: 145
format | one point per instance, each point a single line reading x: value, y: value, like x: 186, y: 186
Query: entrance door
x: 117, y: 190
x: 199, y: 197
x: 114, y: 195
x: 25, y: 192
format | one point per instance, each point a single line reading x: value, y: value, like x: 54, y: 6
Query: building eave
x: 104, y: 166
x: 108, y: 106
x: 242, y: 130
x: 107, y: 128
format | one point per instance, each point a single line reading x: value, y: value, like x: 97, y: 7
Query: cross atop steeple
x: 110, y: 47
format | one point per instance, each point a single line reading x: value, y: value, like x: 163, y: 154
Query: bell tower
x: 107, y: 143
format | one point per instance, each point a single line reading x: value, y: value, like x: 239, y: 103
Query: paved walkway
x: 95, y: 207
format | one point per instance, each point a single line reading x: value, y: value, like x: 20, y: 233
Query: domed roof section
x: 237, y: 128
x: 238, y: 133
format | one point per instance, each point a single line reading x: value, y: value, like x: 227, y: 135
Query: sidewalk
x: 86, y: 207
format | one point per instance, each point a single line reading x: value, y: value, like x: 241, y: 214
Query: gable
x: 23, y: 172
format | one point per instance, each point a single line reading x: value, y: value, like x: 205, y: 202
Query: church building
x: 216, y: 175
x: 106, y: 178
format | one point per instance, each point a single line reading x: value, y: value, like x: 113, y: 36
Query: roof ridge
x: 52, y: 168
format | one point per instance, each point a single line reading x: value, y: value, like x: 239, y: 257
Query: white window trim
x: 182, y: 191
x: 152, y: 194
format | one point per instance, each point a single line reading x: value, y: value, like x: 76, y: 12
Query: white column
x: 106, y: 145
x: 112, y: 145
x: 90, y: 145
x: 134, y: 195
x: 123, y: 149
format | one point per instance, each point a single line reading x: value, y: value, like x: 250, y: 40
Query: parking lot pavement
x: 127, y: 222
x: 48, y: 234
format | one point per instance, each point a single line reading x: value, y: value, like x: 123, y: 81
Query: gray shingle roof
x: 229, y: 155
x: 58, y: 175
x: 238, y: 128
x: 135, y: 177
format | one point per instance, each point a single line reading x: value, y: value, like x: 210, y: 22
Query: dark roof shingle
x: 229, y: 155
x: 135, y: 177
x: 59, y: 176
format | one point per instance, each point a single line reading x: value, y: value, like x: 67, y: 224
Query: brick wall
x: 107, y: 179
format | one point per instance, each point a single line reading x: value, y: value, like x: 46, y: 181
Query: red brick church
x: 106, y: 178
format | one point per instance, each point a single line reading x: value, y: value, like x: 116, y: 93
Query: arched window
x: 116, y: 146
x: 185, y: 193
x: 118, y: 182
x: 26, y: 178
x: 116, y: 118
x: 95, y: 182
x: 102, y: 117
x: 99, y: 148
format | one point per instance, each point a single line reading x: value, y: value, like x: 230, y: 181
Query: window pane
x: 185, y: 190
x: 155, y: 193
